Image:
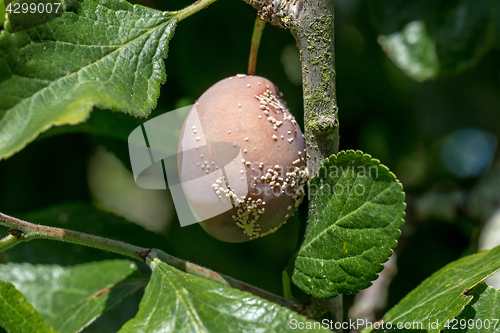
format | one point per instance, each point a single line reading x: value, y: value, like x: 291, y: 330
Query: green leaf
x: 428, y: 39
x: 86, y: 218
x: 16, y: 314
x: 103, y: 53
x: 70, y: 298
x: 178, y: 302
x: 482, y: 314
x: 2, y: 13
x: 360, y: 208
x: 442, y: 296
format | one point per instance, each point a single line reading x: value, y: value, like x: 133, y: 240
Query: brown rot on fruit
x: 264, y: 182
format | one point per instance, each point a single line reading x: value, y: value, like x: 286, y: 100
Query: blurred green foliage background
x: 408, y: 118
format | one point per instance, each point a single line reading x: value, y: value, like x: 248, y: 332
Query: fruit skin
x: 247, y: 111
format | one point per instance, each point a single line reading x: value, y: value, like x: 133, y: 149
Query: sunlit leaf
x: 17, y: 315
x: 103, y: 53
x: 443, y: 295
x: 178, y: 302
x: 482, y: 314
x: 360, y: 208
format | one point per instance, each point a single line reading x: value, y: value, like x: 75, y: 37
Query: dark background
x: 383, y: 112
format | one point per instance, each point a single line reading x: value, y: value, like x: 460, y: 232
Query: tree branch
x: 22, y: 231
x: 311, y: 22
x: 190, y: 10
x: 313, y: 31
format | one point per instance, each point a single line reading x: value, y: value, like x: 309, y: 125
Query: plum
x: 260, y: 181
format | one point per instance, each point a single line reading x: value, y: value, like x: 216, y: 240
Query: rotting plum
x: 249, y: 113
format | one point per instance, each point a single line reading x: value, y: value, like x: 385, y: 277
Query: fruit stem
x: 22, y: 231
x: 258, y: 28
x: 287, y: 287
x: 192, y: 9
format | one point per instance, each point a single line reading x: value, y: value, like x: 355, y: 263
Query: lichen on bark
x: 314, y: 35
